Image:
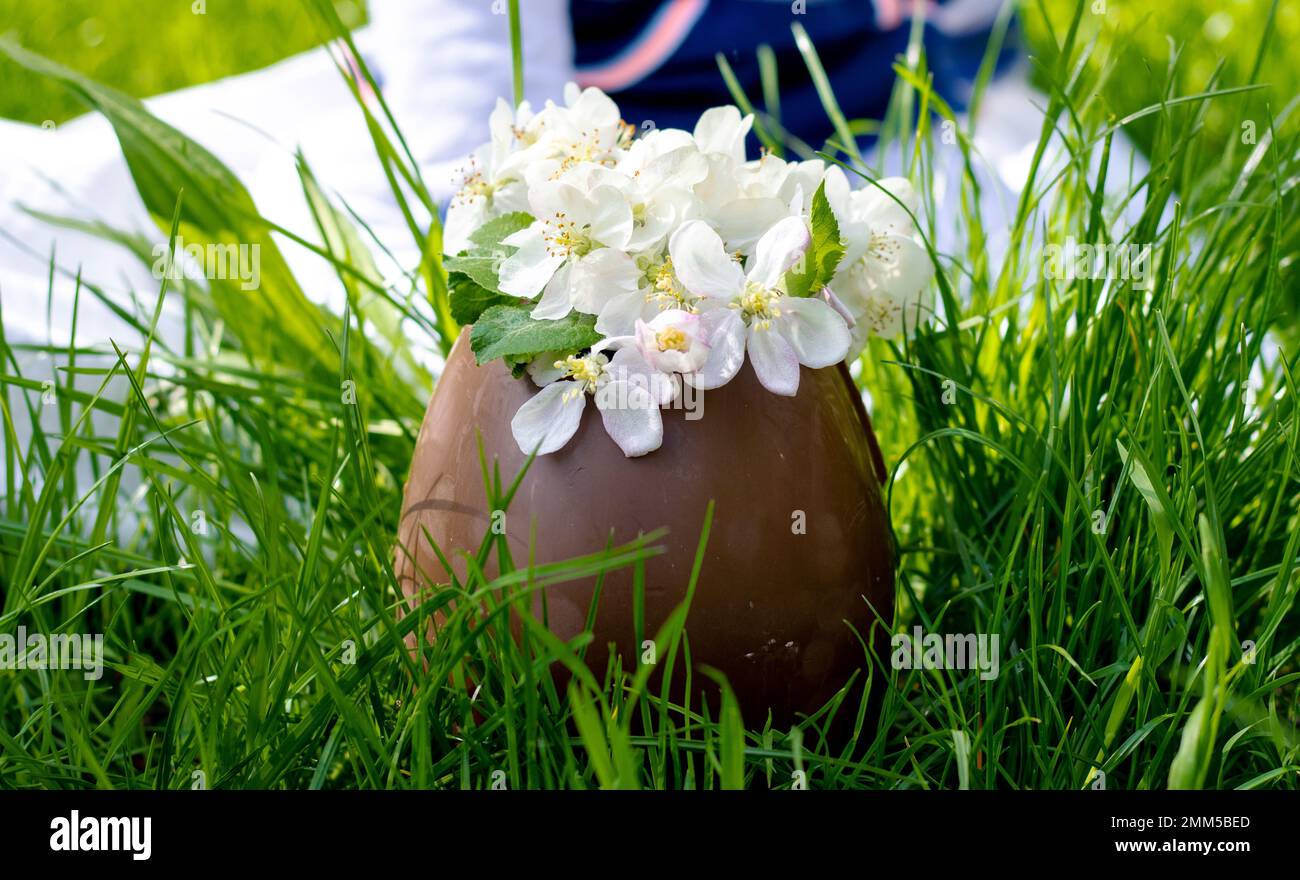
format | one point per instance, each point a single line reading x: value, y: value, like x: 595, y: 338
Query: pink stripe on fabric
x: 666, y: 32
x: 890, y: 13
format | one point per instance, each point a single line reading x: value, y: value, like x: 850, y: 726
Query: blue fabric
x: 856, y: 54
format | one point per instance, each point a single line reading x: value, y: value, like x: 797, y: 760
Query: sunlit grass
x: 1139, y: 47
x: 147, y: 47
x: 1103, y: 474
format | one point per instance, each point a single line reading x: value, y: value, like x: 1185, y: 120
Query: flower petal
x: 527, y: 270
x: 829, y: 297
x: 807, y: 176
x: 611, y: 217
x: 685, y: 354
x: 550, y: 418
x: 548, y: 198
x: 881, y: 211
x: 464, y: 216
x: 722, y: 130
x: 725, y: 332
x: 631, y: 416
x: 719, y: 185
x: 818, y: 335
x: 897, y: 265
x: 774, y: 360
x: 742, y: 222
x: 838, y: 195
x: 702, y: 264
x: 555, y: 302
x: 599, y: 277
x: 889, y: 289
x: 592, y: 107
x: 666, y: 209
x: 542, y: 369
x: 681, y: 166
x: 778, y: 250
x: 620, y: 313
x: 629, y: 365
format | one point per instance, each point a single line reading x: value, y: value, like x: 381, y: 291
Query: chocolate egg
x: 799, y: 557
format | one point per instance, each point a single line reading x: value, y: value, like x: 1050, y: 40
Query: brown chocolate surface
x: 772, y: 607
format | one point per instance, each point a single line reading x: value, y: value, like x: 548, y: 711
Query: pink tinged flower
x: 672, y: 342
x: 774, y: 360
x: 629, y: 366
x: 629, y: 403
x: 751, y: 312
x: 828, y: 296
x: 628, y: 394
x: 724, y: 330
x: 550, y: 418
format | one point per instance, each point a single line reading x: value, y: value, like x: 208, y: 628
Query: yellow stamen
x: 473, y: 185
x: 671, y: 339
x: 758, y: 304
x: 585, y: 371
x: 666, y: 291
x: 564, y: 238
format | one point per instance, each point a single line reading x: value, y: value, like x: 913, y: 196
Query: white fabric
x: 443, y: 64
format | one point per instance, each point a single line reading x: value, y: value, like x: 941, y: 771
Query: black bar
x: 305, y: 829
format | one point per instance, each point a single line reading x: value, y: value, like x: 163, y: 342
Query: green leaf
x: 511, y: 330
x: 586, y: 717
x: 1218, y: 593
x: 489, y: 235
x: 1191, y: 764
x: 469, y: 299
x: 1118, y: 712
x: 961, y: 750
x: 478, y: 284
x: 1158, y: 502
x: 480, y: 267
x: 731, y: 735
x: 824, y: 253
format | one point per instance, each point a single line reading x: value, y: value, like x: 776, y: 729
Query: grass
x: 1183, y: 45
x: 1104, y: 476
x: 147, y: 47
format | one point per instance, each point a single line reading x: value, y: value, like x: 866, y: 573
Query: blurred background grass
x: 1139, y: 42
x: 146, y: 47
